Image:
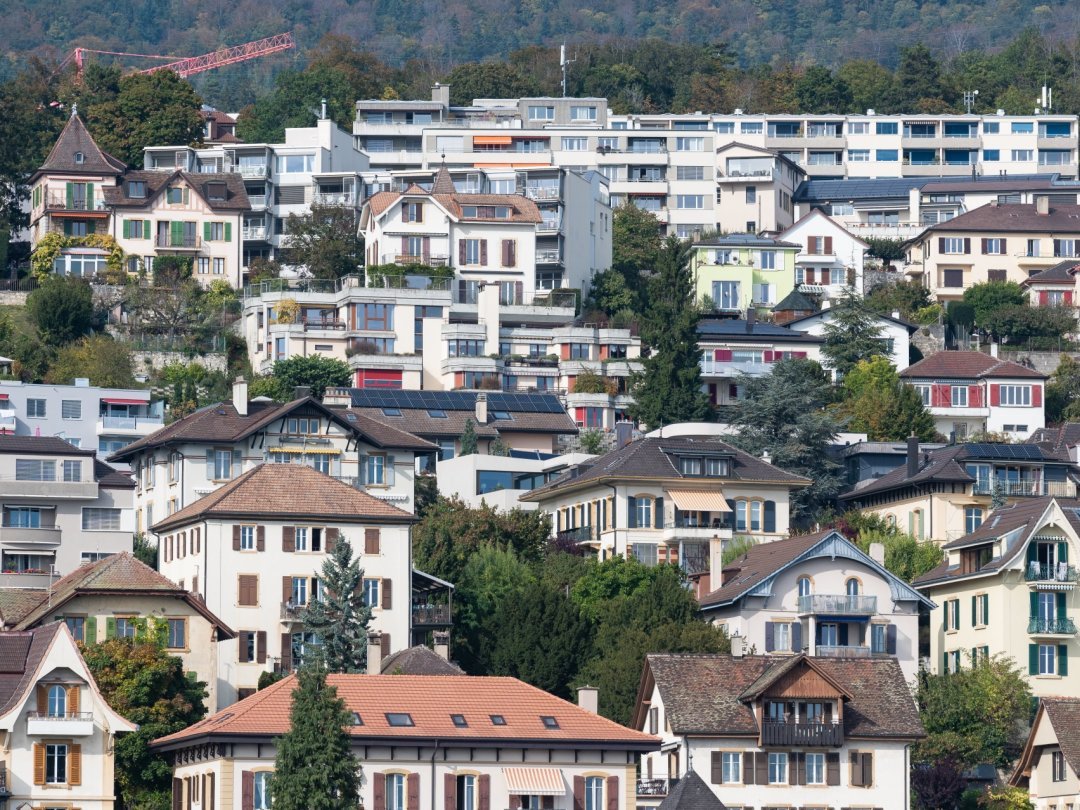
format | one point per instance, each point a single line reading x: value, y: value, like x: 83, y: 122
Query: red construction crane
x: 197, y: 64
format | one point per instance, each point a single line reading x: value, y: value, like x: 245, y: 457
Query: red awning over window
x: 125, y: 401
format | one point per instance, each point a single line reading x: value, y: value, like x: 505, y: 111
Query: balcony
x: 131, y: 425
x: 7, y: 422
x: 60, y: 202
x: 548, y: 224
x: 712, y: 526
x: 53, y: 490
x: 548, y: 257
x: 654, y: 787
x: 177, y: 242
x: 72, y: 724
x: 1051, y: 627
x: 255, y: 233
x: 1044, y: 577
x: 1024, y: 487
x: 838, y: 604
x: 431, y: 615
x: 292, y: 612
x: 334, y: 198
x: 48, y: 536
x: 845, y: 651
x: 581, y: 534
x: 254, y: 171
x: 745, y: 176
x: 257, y: 201
x: 810, y: 734
x: 409, y: 258
x: 541, y: 193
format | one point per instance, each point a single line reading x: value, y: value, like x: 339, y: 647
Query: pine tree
x: 469, y: 444
x: 315, y: 768
x: 340, y: 617
x: 851, y: 335
x: 668, y: 389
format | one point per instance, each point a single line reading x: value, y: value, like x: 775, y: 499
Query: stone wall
x: 144, y: 360
x: 929, y: 339
x: 1043, y: 362
x: 13, y: 299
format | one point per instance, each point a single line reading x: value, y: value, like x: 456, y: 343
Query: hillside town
x: 532, y: 453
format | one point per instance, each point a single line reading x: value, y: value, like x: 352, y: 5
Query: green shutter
x: 70, y: 190
x: 67, y: 228
x: 1063, y: 660
x: 1063, y: 552
x: 1033, y: 598
x: 89, y: 196
x: 206, y: 231
x: 228, y: 231
x: 146, y: 229
x: 1033, y: 659
x: 1033, y: 553
x: 90, y: 630
x: 127, y: 229
x: 631, y: 513
x: 974, y: 611
x: 110, y: 627
x: 945, y: 664
x: 986, y: 608
x: 176, y: 234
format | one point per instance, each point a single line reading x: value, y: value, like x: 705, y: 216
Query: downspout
x: 907, y: 770
x: 614, y: 518
x: 435, y: 751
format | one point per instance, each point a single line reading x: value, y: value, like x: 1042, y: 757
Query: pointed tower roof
x: 76, y: 140
x: 444, y: 183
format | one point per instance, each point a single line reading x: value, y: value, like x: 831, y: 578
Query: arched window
x: 853, y: 587
x: 57, y: 701
x: 804, y: 586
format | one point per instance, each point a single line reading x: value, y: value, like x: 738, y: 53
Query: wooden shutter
x: 985, y: 246
x: 414, y: 791
x: 631, y: 512
x: 146, y: 229
x: 371, y: 541
x: 798, y: 765
x: 90, y: 630
x: 73, y: 699
x: 260, y: 538
x: 242, y: 646
x: 236, y: 538
x: 579, y: 788
x: 74, y: 764
x: 39, y: 764
x: 177, y: 794
x: 484, y: 792
x: 384, y: 645
x: 331, y: 539
x: 748, y: 767
x: 867, y: 769
x: 110, y: 627
x: 483, y: 252
x: 286, y: 588
x: 387, y: 594
x: 769, y: 519
x: 995, y: 395
x: 941, y: 244
x: 206, y: 231
x: 286, y: 652
x: 1036, y: 396
x: 612, y: 793
x: 378, y: 791
x: 967, y: 245
x: 796, y: 643
x: 461, y: 251
x: 770, y: 635
x: 717, y: 768
x: 832, y: 768
x: 761, y: 769
x: 1063, y: 660
x: 288, y: 538
x: 449, y: 791
x: 856, y: 769
x: 247, y: 790
x: 828, y: 245
x: 208, y: 795
x: 228, y: 231
x: 42, y: 699
x: 260, y: 646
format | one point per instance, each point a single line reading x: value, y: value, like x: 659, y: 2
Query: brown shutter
x: 288, y: 538
x: 42, y: 699
x: 761, y: 769
x: 260, y: 646
x: 208, y: 797
x: 855, y: 775
x: 378, y: 791
x: 613, y: 793
x: 177, y: 794
x: 73, y: 699
x: 247, y: 790
x: 984, y: 245
x: 74, y: 764
x: 260, y: 538
x: 286, y: 589
x: 413, y: 802
x: 371, y: 541
x: 484, y: 792
x: 461, y: 251
x: 331, y: 539
x: 236, y: 537
x: 384, y: 644
x: 579, y: 790
x: 483, y: 251
x: 242, y: 647
x: 449, y: 791
x: 717, y: 770
x: 868, y: 769
x: 748, y: 766
x: 39, y: 764
x: 828, y: 245
x: 967, y: 245
x: 941, y: 244
x: 286, y: 652
x: 387, y: 594
x: 832, y: 768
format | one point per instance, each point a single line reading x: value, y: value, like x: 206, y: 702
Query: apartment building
x: 253, y: 549
x: 673, y: 500
x: 1007, y: 588
x: 767, y: 731
x: 969, y: 393
x: 499, y: 481
x: 742, y: 271
x: 1049, y: 767
x: 317, y: 164
x: 61, y: 508
x: 435, y: 741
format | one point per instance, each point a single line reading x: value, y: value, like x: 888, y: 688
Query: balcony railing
x: 257, y: 200
x: 548, y: 257
x: 838, y: 604
x: 188, y: 242
x: 254, y: 232
x: 541, y: 193
x: 409, y: 258
x: 334, y: 198
x: 1043, y: 572
x: 428, y: 615
x: 1051, y: 627
x: 251, y: 170
x: 844, y: 651
x: 1025, y: 487
x: 582, y: 534
x: 780, y: 733
x: 292, y: 612
x: 130, y: 422
x: 62, y: 203
x: 72, y: 716
x: 654, y: 787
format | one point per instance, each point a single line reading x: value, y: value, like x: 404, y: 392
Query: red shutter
x: 485, y: 792
x: 564, y: 351
x: 723, y: 355
x: 1068, y: 298
x: 579, y: 793
x: 483, y: 252
x: 974, y: 396
x: 613, y: 783
x: 1036, y: 396
x: 414, y: 791
x: 378, y: 790
x: 828, y: 245
x: 810, y: 278
x: 799, y: 355
x: 247, y: 790
x: 942, y: 396
x: 769, y: 356
x: 812, y: 246
x: 995, y: 395
x: 1044, y: 298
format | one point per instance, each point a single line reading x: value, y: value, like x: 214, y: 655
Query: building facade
x: 1049, y: 767
x: 830, y: 259
x: 739, y: 272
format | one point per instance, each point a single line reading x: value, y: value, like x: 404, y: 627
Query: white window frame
x: 247, y: 537
x: 1015, y: 396
x: 952, y: 245
x: 958, y: 397
x: 731, y: 767
x: 815, y: 768
x: 778, y: 768
x: 1047, y: 659
x: 57, y: 767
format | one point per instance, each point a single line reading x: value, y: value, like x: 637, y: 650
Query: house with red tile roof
x: 1053, y: 287
x: 442, y: 742
x: 59, y: 732
x: 971, y: 392
x: 1049, y: 767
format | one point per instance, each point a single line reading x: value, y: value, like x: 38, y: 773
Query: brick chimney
x: 442, y: 644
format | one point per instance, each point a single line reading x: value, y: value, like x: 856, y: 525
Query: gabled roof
x: 739, y: 329
x: 817, y: 213
x: 967, y: 366
x: 444, y: 193
x: 795, y: 301
x: 912, y: 328
x: 691, y: 793
x: 418, y: 660
x: 117, y: 575
x: 1063, y: 714
x: 41, y: 445
x: 1061, y: 273
x: 744, y: 240
x: 384, y: 435
x: 236, y: 198
x: 702, y: 694
x: 1012, y: 218
x: 1060, y: 438
x: 773, y: 675
x: 755, y: 570
x: 430, y: 701
x: 76, y: 138
x: 654, y: 458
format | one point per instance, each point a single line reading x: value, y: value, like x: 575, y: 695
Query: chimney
x: 1042, y: 205
x: 301, y: 391
x: 440, y: 94
x: 240, y: 396
x: 912, y: 456
x: 766, y: 456
x: 993, y: 349
x: 322, y: 115
x: 481, y: 409
x: 337, y: 398
x: 624, y: 434
x: 877, y: 553
x: 751, y: 319
x: 896, y: 314
x: 738, y: 646
x: 442, y: 644
x: 588, y: 698
x: 716, y: 563
x: 374, y: 653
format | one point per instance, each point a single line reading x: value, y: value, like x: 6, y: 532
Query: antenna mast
x: 564, y: 65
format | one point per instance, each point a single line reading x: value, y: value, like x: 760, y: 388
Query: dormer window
x: 80, y: 157
x: 136, y: 189
x: 215, y: 192
x: 174, y: 196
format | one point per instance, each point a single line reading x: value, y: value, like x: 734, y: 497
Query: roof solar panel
x: 453, y: 400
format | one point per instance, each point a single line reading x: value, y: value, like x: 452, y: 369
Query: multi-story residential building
x: 60, y: 732
x: 731, y: 348
x: 762, y: 731
x: 252, y: 551
x: 669, y: 500
x: 83, y: 415
x: 316, y: 164
x: 499, y: 481
x: 830, y: 260
x: 1049, y: 767
x: 743, y: 271
x: 895, y: 332
x: 969, y: 393
x: 193, y: 456
x: 106, y: 599
x: 946, y: 493
x: 61, y: 508
x: 1007, y: 588
x: 819, y: 594
x: 755, y: 188
x: 442, y: 742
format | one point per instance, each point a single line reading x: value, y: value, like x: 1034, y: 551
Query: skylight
x: 437, y: 414
x: 357, y: 720
x: 391, y: 411
x: 459, y: 720
x: 549, y: 721
x: 399, y: 719
x: 497, y: 720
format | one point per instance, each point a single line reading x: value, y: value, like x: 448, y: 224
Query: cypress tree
x: 469, y: 443
x: 340, y: 617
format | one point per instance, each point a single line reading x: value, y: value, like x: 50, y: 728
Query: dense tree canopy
x: 878, y: 403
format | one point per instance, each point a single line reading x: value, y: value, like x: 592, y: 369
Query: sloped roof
x: 443, y: 191
x: 444, y: 183
x: 912, y: 328
x: 41, y: 445
x: 236, y: 198
x: 111, y: 478
x: 701, y: 693
x: 968, y: 365
x: 1063, y: 714
x: 739, y: 328
x: 21, y: 654
x: 277, y: 491
x: 1013, y: 218
x: 691, y: 793
x: 795, y: 301
x: 418, y: 660
x: 74, y: 138
x: 429, y: 700
x: 16, y: 603
x: 1061, y: 273
x: 382, y: 434
x: 1059, y: 438
x: 815, y: 213
x: 744, y: 240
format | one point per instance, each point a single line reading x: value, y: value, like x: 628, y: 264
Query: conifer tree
x: 469, y: 444
x: 340, y: 617
x: 315, y: 768
x: 852, y: 335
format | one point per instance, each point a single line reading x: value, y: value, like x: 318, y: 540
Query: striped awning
x: 696, y: 500
x: 534, y: 781
x: 307, y: 451
x: 491, y: 140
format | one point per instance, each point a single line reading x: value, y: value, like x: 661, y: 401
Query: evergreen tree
x: 878, y: 403
x: 469, y: 444
x: 315, y: 768
x: 851, y: 335
x: 340, y: 617
x: 668, y: 389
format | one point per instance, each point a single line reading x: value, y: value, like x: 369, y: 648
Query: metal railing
x: 541, y: 193
x: 170, y: 241
x: 1056, y: 627
x: 548, y: 257
x: 430, y: 615
x: 256, y: 232
x: 409, y: 258
x: 581, y: 534
x: 654, y: 787
x: 838, y: 604
x: 65, y: 716
x: 251, y: 170
x: 292, y: 612
x: 1025, y: 487
x: 776, y: 732
x: 130, y: 422
x: 60, y: 201
x: 842, y: 651
x: 1059, y: 572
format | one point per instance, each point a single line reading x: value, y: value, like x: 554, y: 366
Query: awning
x: 511, y: 165
x: 534, y: 781
x: 126, y: 401
x: 491, y: 140
x: 696, y: 500
x: 3, y: 396
x: 308, y: 451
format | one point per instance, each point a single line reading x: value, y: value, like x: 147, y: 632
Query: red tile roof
x: 967, y: 365
x: 430, y: 700
x: 1012, y: 218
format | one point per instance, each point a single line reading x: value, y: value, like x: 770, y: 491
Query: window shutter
x: 286, y: 588
x: 748, y: 768
x: 1033, y: 659
x: 177, y: 794
x: 378, y: 790
x: 631, y: 513
x: 1063, y: 660
x: 461, y: 251
x: 856, y: 769
x: 449, y: 790
x: 798, y: 761
x: 832, y: 767
x: 828, y: 245
x: 974, y: 611
x: 331, y: 539
x: 384, y: 644
x: 110, y: 627
x: 761, y: 769
x: 770, y: 636
x: 612, y: 793
x: 579, y: 789
x: 1044, y: 298
x: 70, y: 192
x: 228, y: 231
x: 796, y: 636
x: 39, y: 764
x: 42, y: 698
x: 126, y: 228
x: 1063, y: 552
x: 717, y: 768
x: 73, y: 700
x: 74, y: 764
x: 974, y: 396
x: 483, y: 252
x: 90, y: 630
x: 260, y: 538
x: 984, y: 246
x: 206, y: 231
x: 658, y: 513
x: 723, y: 355
x: 484, y: 792
x: 770, y: 516
x: 995, y: 395
x: 414, y: 791
x: 146, y: 229
x: 371, y: 541
x: 236, y: 537
x: 260, y: 646
x: 890, y: 639
x: 237, y: 460
x: 1033, y: 605
x: 286, y: 655
x: 941, y: 244
x: 868, y: 769
x: 176, y: 233
x: 1036, y: 396
x: 388, y: 472
x: 247, y: 790
x: 967, y: 245
x: 387, y: 595
x: 1060, y: 606
x: 288, y: 538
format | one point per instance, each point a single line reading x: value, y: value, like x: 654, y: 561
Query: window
x: 136, y: 189
x: 952, y: 277
x: 57, y: 701
x: 973, y: 518
x: 953, y: 245
x: 1047, y: 659
x: 858, y: 155
x: 805, y: 586
x: 219, y: 266
x: 70, y: 409
x: 689, y: 172
x: 35, y: 408
x: 643, y: 512
x: 1022, y: 155
x: 815, y: 769
x: 125, y: 627
x: 466, y: 793
x: 768, y: 260
x: 689, y: 201
x: 399, y: 719
x: 472, y: 251
x: 777, y: 768
x: 295, y: 164
x: 56, y: 764
x: 878, y: 638
x: 72, y: 471
x: 887, y: 128
x: 994, y: 247
x: 690, y: 466
x: 887, y: 155
x: 583, y: 113
x: 497, y: 720
x: 782, y: 636
x: 371, y: 593
x: 959, y: 396
x: 726, y: 294
x: 952, y: 614
x: 575, y: 144
x: 1058, y: 766
x: 33, y: 469
x: 541, y: 113
x: 177, y: 639
x: 459, y: 720
x: 215, y: 231
x: 1022, y: 127
x: 247, y: 538
x: 549, y: 721
x: 687, y: 144
x: 100, y: 519
x: 594, y: 793
x: 261, y: 799
x: 174, y: 196
x: 645, y: 553
x: 1015, y: 395
x: 731, y: 770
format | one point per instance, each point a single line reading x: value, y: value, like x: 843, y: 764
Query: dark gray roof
x: 795, y: 301
x: 744, y: 240
x: 76, y: 139
x: 1058, y: 438
x: 856, y: 189
x: 21, y: 654
x: 1064, y: 272
x: 41, y: 445
x: 734, y: 329
x: 235, y: 199
x: 691, y: 793
x: 1012, y: 218
x: 418, y: 660
x: 912, y: 328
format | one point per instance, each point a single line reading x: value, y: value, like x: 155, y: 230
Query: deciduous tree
x: 99, y: 358
x: 314, y: 371
x: 987, y: 298
x: 635, y: 244
x: 62, y: 309
x: 339, y: 616
x: 325, y: 241
x: 877, y: 402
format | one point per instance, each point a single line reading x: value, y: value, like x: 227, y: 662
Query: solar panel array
x: 454, y: 400
x: 859, y: 189
x: 1016, y: 452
